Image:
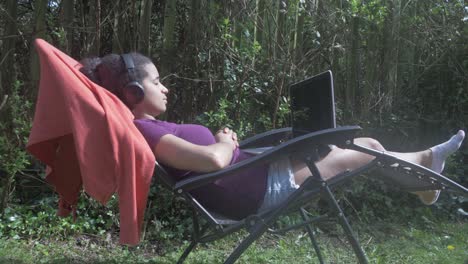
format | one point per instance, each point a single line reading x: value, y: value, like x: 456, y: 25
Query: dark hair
x: 110, y: 72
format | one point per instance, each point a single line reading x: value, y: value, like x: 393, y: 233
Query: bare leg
x: 340, y: 160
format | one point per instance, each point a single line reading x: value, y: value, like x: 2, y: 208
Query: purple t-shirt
x: 235, y: 196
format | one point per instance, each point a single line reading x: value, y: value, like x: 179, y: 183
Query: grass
x: 443, y: 242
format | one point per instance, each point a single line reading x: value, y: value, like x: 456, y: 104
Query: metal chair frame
x: 306, y: 147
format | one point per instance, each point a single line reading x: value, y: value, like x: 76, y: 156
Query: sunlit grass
x: 445, y: 242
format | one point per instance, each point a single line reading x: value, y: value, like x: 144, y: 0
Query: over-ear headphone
x: 136, y: 89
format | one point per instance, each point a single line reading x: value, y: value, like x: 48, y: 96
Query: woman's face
x: 155, y: 100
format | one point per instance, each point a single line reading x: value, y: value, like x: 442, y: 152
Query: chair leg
x: 312, y: 236
x: 187, y: 251
x: 195, y: 237
x: 255, y: 233
x: 345, y: 225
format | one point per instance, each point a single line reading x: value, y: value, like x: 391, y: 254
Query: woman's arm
x: 181, y: 154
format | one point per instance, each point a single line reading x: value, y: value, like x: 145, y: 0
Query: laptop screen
x: 313, y: 104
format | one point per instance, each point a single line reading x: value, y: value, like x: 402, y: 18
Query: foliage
x: 39, y: 219
x: 399, y: 67
x: 167, y: 217
x: 15, y: 132
x: 13, y: 138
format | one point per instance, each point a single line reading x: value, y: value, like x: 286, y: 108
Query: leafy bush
x: 39, y: 220
x: 167, y: 216
x: 13, y: 137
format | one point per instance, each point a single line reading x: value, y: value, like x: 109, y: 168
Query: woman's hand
x: 228, y: 136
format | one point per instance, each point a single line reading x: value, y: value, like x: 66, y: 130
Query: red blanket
x: 86, y: 137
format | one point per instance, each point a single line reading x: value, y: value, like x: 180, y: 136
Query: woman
x: 186, y: 150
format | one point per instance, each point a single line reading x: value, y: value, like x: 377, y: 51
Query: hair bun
x: 91, y: 68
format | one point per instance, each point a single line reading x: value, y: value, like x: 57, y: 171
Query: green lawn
x: 444, y: 242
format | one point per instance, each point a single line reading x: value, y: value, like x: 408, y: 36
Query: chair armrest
x: 266, y: 139
x: 341, y: 136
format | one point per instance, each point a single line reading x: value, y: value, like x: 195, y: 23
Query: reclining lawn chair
x: 406, y: 175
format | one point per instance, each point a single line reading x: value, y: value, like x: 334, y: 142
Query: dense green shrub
x: 14, y: 132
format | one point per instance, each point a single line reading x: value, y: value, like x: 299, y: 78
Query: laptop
x: 313, y: 104
x: 312, y: 108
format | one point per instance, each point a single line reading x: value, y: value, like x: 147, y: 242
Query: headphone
x: 137, y: 91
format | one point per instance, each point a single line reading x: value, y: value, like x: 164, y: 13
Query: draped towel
x: 86, y: 137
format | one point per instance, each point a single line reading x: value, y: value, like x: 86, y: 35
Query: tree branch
x: 5, y: 98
